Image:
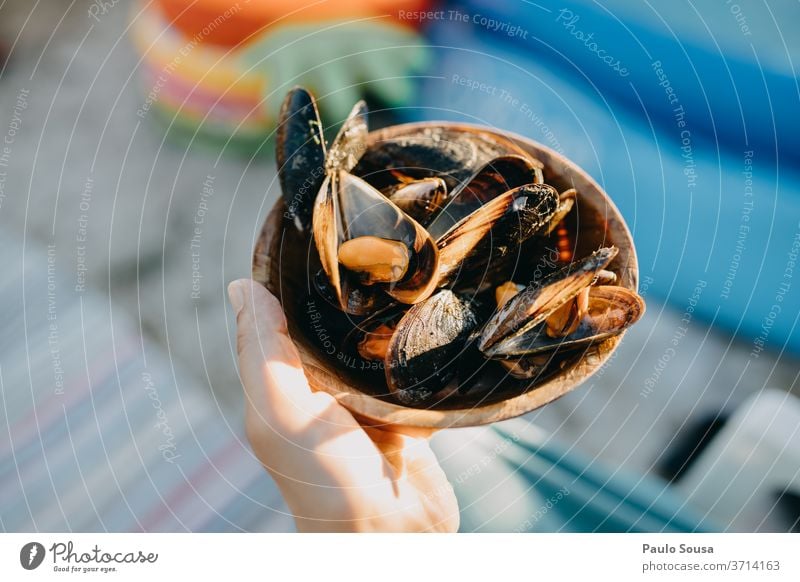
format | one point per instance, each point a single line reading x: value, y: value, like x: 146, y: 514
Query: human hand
x: 335, y: 474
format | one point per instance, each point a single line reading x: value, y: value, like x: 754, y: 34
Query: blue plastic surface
x: 716, y: 223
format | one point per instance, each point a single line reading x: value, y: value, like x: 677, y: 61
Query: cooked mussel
x: 498, y: 176
x: 494, y: 231
x: 539, y: 300
x: 370, y: 337
x: 564, y: 311
x: 453, y: 155
x: 609, y: 311
x: 363, y: 238
x: 423, y: 351
x: 302, y: 159
x: 421, y: 199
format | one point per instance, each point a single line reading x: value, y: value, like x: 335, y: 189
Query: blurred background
x: 137, y: 167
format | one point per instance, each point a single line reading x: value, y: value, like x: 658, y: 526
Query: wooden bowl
x: 279, y: 261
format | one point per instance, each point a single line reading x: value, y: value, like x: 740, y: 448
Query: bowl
x: 281, y: 254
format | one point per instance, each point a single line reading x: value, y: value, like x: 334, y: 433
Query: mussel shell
x: 347, y: 207
x: 496, y: 177
x: 351, y: 142
x: 366, y: 212
x: 566, y: 201
x: 524, y: 368
x: 300, y: 155
x: 329, y: 233
x: 424, y: 350
x: 358, y: 300
x: 536, y: 302
x: 493, y: 231
x: 449, y: 153
x: 612, y: 309
x: 421, y: 199
x: 389, y: 314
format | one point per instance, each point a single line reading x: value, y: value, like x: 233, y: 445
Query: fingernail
x: 236, y: 296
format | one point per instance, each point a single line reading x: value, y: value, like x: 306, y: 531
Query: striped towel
x: 100, y: 430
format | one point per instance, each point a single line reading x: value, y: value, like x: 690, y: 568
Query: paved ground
x: 100, y: 184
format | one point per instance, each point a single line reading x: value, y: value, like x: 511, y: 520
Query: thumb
x: 277, y: 393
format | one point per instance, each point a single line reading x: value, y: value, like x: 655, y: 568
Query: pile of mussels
x: 418, y: 240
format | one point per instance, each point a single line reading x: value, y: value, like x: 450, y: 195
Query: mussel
x: 421, y: 199
x: 361, y: 236
x: 453, y: 155
x: 496, y: 177
x: 564, y: 311
x: 420, y: 240
x: 534, y: 304
x: 422, y: 353
x: 364, y: 239
x: 300, y: 155
x: 494, y: 231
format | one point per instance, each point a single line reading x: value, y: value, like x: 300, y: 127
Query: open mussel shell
x: 329, y: 234
x: 451, y: 154
x: 300, y: 155
x: 566, y: 201
x: 350, y: 211
x: 358, y: 300
x: 423, y: 353
x: 494, y: 230
x: 351, y: 142
x: 369, y: 338
x: 538, y: 301
x: 497, y: 176
x: 527, y: 368
x: 421, y: 199
x: 611, y: 310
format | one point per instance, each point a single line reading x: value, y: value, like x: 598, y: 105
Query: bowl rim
x: 377, y: 412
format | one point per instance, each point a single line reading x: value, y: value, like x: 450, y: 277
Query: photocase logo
x: 31, y: 555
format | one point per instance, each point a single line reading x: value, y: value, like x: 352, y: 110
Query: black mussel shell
x: 535, y: 303
x: 421, y: 199
x: 351, y: 142
x: 346, y: 208
x: 366, y: 212
x: 612, y: 309
x: 300, y: 155
x: 490, y: 181
x: 494, y: 231
x: 449, y: 153
x: 425, y: 348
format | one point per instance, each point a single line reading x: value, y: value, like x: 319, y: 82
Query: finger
x: 390, y: 445
x: 436, y: 494
x: 415, y: 462
x: 406, y: 453
x: 276, y: 388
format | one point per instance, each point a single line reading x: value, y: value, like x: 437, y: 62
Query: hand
x: 334, y: 474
